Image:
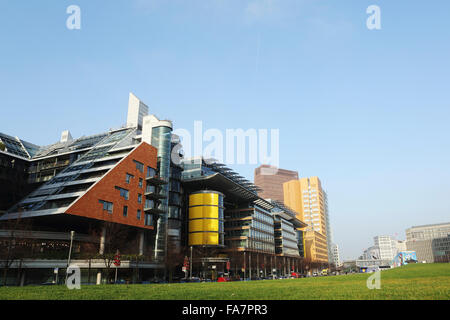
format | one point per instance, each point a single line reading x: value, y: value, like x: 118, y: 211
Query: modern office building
x: 121, y: 191
x: 441, y: 249
x: 229, y: 223
x: 316, y: 249
x: 95, y: 184
x: 384, y: 244
x: 427, y: 232
x: 380, y: 255
x: 14, y: 155
x: 371, y: 253
x: 270, y: 180
x: 423, y: 249
x: 307, y: 197
x: 428, y: 241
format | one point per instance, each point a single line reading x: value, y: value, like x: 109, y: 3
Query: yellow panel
x: 211, y: 199
x: 196, y: 225
x: 196, y: 199
x: 195, y: 212
x: 195, y: 239
x: 211, y: 212
x: 211, y: 225
x: 211, y: 238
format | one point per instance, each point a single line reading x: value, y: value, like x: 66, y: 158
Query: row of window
x: 108, y: 206
x: 126, y: 194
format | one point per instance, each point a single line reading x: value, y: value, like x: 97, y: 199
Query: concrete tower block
x: 137, y: 110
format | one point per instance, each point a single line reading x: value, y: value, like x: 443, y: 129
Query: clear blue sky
x: 366, y: 111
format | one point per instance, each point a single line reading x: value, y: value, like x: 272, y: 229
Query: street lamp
x: 72, y: 234
x: 190, y: 266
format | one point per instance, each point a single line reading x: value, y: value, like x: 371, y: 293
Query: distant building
x: 398, y: 246
x: 384, y: 243
x: 441, y: 249
x: 336, y: 256
x: 427, y: 232
x: 371, y: 253
x: 381, y: 254
x: 423, y: 249
x: 270, y: 179
x: 429, y: 241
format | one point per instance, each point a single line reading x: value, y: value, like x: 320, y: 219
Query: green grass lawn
x: 420, y: 281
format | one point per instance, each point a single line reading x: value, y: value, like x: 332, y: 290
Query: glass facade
x: 286, y: 239
x: 161, y: 139
x: 206, y: 219
x: 250, y: 228
x: 88, y: 159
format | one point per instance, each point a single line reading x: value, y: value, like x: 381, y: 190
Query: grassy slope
x: 421, y: 281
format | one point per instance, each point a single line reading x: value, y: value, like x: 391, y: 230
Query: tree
x: 116, y: 240
x: 174, y: 258
x: 236, y: 262
x: 14, y: 244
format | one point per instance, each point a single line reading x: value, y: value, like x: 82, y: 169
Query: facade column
x: 265, y: 266
x: 257, y: 265
x: 101, y: 251
x: 276, y: 266
x: 245, y: 265
x: 271, y: 265
x: 141, y: 243
x: 289, y: 266
x: 250, y: 265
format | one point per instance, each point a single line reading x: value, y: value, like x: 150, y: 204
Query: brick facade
x: 105, y: 189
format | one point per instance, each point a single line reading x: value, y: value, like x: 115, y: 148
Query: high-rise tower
x: 307, y: 197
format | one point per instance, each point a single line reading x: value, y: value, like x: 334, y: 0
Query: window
x: 125, y: 211
x: 123, y: 193
x: 139, y: 166
x: 151, y: 172
x: 107, y: 206
x: 139, y: 198
x: 140, y: 182
x: 149, y: 204
x: 148, y: 219
x: 129, y: 177
x: 139, y: 214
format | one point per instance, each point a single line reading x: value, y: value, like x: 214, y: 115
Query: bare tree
x: 14, y: 244
x: 236, y: 262
x: 115, y: 240
x: 174, y: 258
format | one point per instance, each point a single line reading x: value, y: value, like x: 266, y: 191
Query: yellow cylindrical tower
x: 206, y: 218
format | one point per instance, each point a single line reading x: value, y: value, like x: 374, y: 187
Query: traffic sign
x: 117, y: 260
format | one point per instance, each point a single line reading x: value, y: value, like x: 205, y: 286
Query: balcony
x: 156, y: 180
x: 155, y: 195
x: 156, y: 210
